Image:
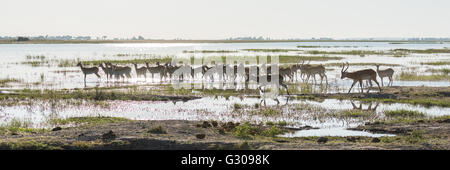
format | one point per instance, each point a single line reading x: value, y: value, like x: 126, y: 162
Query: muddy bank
x: 180, y: 134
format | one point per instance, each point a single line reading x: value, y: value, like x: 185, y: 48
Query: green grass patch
x: 237, y: 106
x: 355, y: 113
x: 363, y: 64
x: 209, y: 51
x: 88, y: 94
x: 315, y: 46
x: 271, y: 50
x: 403, y: 113
x: 87, y: 120
x: 444, y: 71
x: 157, y: 130
x: 416, y: 136
x: 423, y: 102
x: 247, y: 131
x: 6, y: 81
x: 16, y: 126
x: 137, y: 61
x: 436, y: 63
x: 408, y: 76
x: 266, y: 112
x: 353, y: 52
x: 427, y: 51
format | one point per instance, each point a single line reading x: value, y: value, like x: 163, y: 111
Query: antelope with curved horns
x: 385, y: 73
x: 359, y: 76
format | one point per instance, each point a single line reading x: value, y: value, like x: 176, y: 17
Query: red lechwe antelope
x: 88, y: 70
x: 120, y: 71
x: 157, y: 69
x: 140, y: 71
x: 107, y: 70
x: 385, y: 73
x: 359, y: 76
x: 313, y: 70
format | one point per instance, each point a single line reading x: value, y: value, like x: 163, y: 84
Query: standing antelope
x: 359, y: 76
x: 140, y: 71
x: 88, y: 70
x: 157, y: 69
x: 120, y: 71
x: 302, y: 67
x: 385, y: 73
x: 170, y: 70
x: 313, y: 70
x: 107, y: 70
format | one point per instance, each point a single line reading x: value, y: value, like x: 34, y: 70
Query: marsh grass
x: 423, y: 102
x: 356, y: 113
x: 248, y: 131
x: 92, y: 94
x: 403, y: 113
x: 237, y: 106
x: 6, y: 81
x: 363, y: 64
x: 279, y: 123
x: 209, y: 51
x: 413, y: 119
x: 416, y: 136
x: 427, y: 51
x: 336, y: 46
x: 444, y: 71
x: 157, y: 130
x: 298, y: 59
x: 436, y: 63
x: 353, y: 52
x: 266, y: 112
x: 87, y: 120
x: 408, y: 76
x: 16, y: 126
x: 132, y: 55
x: 137, y: 60
x: 271, y: 50
x: 35, y: 57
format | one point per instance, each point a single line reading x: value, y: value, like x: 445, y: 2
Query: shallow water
x: 208, y: 108
x: 50, y: 76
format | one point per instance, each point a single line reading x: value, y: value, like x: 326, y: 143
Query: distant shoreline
x: 204, y: 41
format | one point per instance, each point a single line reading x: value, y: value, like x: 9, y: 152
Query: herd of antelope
x: 307, y: 71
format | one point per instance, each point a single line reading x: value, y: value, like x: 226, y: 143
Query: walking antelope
x: 158, y: 69
x: 285, y: 72
x: 359, y: 76
x: 302, y: 67
x: 120, y: 71
x: 170, y: 70
x: 107, y: 70
x: 140, y: 71
x: 385, y: 73
x: 202, y: 69
x: 313, y: 70
x: 88, y: 70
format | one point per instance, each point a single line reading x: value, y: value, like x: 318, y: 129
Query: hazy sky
x: 218, y: 19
